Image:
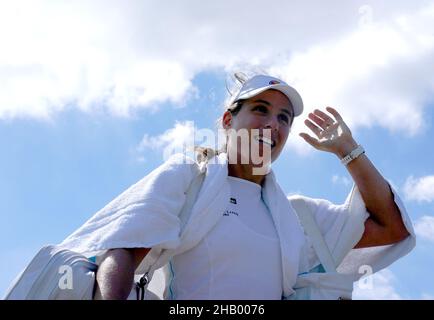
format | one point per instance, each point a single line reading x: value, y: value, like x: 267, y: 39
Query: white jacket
x: 146, y: 216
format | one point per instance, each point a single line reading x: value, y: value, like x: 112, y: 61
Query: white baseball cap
x: 261, y: 83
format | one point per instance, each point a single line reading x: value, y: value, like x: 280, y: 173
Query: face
x: 269, y: 110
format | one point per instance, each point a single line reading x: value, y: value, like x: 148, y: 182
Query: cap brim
x: 292, y: 94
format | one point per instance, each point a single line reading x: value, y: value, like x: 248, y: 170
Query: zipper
x: 141, y: 286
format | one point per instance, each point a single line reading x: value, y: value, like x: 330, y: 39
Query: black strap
x: 140, y: 286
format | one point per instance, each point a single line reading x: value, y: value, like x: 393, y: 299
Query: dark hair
x: 235, y: 107
x: 206, y: 153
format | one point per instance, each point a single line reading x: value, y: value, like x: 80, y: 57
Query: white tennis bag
x: 55, y: 274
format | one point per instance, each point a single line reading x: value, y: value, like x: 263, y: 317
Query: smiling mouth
x: 270, y: 142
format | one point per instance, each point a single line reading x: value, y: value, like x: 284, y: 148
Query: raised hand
x: 333, y: 135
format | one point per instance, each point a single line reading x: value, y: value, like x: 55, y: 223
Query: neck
x: 245, y: 171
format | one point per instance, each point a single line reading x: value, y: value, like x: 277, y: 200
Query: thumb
x: 311, y: 140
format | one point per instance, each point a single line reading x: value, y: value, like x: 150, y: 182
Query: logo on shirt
x: 229, y: 212
x: 233, y: 200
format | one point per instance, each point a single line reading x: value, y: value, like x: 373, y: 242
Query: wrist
x: 345, y: 148
x: 353, y: 155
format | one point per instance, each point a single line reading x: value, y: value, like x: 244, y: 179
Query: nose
x: 272, y: 123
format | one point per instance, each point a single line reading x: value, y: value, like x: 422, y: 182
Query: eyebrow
x: 269, y: 104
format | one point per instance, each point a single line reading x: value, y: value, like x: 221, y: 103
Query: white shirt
x: 239, y: 259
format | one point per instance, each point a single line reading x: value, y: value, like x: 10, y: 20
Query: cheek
x: 284, y: 134
x: 247, y: 122
x: 256, y: 122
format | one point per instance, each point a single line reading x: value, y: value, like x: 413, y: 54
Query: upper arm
x: 384, y: 225
x: 376, y: 234
x: 373, y: 235
x: 116, y: 273
x: 138, y: 255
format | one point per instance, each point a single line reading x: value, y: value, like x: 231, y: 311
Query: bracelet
x: 353, y: 155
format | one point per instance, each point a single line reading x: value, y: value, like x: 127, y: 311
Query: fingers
x: 335, y: 114
x: 311, y: 140
x: 324, y: 116
x: 319, y: 121
x: 323, y: 126
x: 323, y: 120
x: 313, y: 127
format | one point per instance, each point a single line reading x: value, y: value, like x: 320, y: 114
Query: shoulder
x: 324, y: 211
x: 176, y: 166
x: 313, y: 203
x: 170, y: 179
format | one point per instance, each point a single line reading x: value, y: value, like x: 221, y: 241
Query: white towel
x: 145, y: 215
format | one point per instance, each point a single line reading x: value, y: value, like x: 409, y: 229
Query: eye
x: 261, y: 108
x: 284, y: 118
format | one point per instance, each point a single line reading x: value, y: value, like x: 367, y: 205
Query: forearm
x: 373, y: 188
x: 115, y: 275
x: 385, y: 225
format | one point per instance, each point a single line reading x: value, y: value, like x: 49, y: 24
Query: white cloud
x: 419, y: 189
x: 136, y: 54
x: 376, y: 75
x: 336, y: 179
x: 424, y: 227
x: 179, y: 139
x: 174, y: 139
x: 59, y: 53
x: 382, y: 287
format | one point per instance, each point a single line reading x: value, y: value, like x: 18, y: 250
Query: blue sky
x: 80, y: 125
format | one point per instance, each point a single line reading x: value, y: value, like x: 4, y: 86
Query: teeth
x: 265, y: 140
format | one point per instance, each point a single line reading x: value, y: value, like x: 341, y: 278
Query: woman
x: 255, y: 247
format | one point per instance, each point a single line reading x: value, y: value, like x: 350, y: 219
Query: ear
x: 227, y: 120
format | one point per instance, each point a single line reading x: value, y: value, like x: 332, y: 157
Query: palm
x: 329, y: 132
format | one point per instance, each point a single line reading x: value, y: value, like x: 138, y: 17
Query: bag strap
x: 191, y: 196
x: 313, y: 232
